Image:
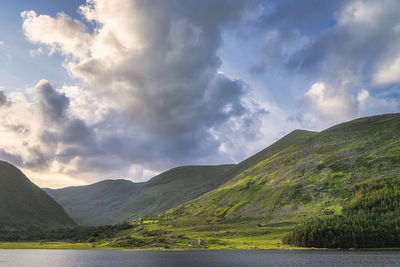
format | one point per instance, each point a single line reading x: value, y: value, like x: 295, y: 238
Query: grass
x: 48, y: 245
x: 240, y: 235
x: 236, y: 236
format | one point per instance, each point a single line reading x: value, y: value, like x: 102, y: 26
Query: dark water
x: 85, y: 258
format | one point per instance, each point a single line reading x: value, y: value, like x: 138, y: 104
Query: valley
x: 256, y: 204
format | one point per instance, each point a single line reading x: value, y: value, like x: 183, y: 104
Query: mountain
x: 95, y: 204
x: 113, y: 201
x: 313, y: 177
x: 24, y: 205
x: 295, y: 137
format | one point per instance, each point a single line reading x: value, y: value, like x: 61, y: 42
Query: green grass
x: 49, y: 245
x: 155, y: 235
x: 311, y: 178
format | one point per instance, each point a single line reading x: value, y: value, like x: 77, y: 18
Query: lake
x: 83, y: 258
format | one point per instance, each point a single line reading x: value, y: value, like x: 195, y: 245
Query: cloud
x: 371, y: 105
x: 150, y: 90
x: 388, y: 72
x: 60, y: 34
x: 355, y: 42
x: 152, y: 95
x: 330, y: 103
x: 3, y: 98
x: 323, y: 54
x: 334, y: 105
x: 52, y: 103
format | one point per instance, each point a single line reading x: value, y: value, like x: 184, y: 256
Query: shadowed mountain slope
x: 24, y: 205
x: 113, y: 201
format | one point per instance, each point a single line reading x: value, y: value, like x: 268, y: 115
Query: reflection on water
x: 196, y: 258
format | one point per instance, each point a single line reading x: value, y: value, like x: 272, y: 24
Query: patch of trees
x: 370, y: 220
x: 77, y: 234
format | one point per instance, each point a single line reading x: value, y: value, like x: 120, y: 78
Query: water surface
x: 83, y: 258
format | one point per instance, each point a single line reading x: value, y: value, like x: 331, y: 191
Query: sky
x: 110, y: 89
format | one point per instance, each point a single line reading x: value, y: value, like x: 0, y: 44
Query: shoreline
x: 89, y: 246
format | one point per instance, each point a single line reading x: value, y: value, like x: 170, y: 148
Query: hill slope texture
x: 113, y: 201
x: 24, y: 205
x: 314, y: 177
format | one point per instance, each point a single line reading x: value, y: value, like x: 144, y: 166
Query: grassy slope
x: 23, y: 204
x: 110, y: 201
x: 173, y: 188
x: 116, y: 200
x: 312, y: 178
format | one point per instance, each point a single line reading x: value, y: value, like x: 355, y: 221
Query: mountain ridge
x: 101, y: 203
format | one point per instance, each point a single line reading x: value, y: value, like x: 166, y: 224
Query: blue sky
x: 127, y: 89
x: 18, y: 70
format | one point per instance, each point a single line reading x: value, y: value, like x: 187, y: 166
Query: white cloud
x: 333, y: 104
x: 361, y: 12
x: 388, y: 72
x: 370, y: 105
x: 61, y: 33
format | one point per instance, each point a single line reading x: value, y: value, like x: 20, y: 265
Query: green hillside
x: 308, y: 179
x: 113, y: 201
x: 336, y: 188
x: 314, y: 178
x: 23, y: 205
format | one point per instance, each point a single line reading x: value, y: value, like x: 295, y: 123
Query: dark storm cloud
x: 11, y: 158
x: 3, y: 98
x: 52, y: 103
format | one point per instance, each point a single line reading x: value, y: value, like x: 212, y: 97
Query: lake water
x: 83, y: 258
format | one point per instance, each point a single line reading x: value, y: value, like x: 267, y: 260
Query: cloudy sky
x: 103, y: 89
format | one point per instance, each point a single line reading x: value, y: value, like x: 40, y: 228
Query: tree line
x: 77, y: 234
x: 371, y: 219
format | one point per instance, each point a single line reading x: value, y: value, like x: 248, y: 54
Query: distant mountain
x: 24, y: 205
x: 95, y: 204
x: 314, y: 175
x: 113, y: 201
